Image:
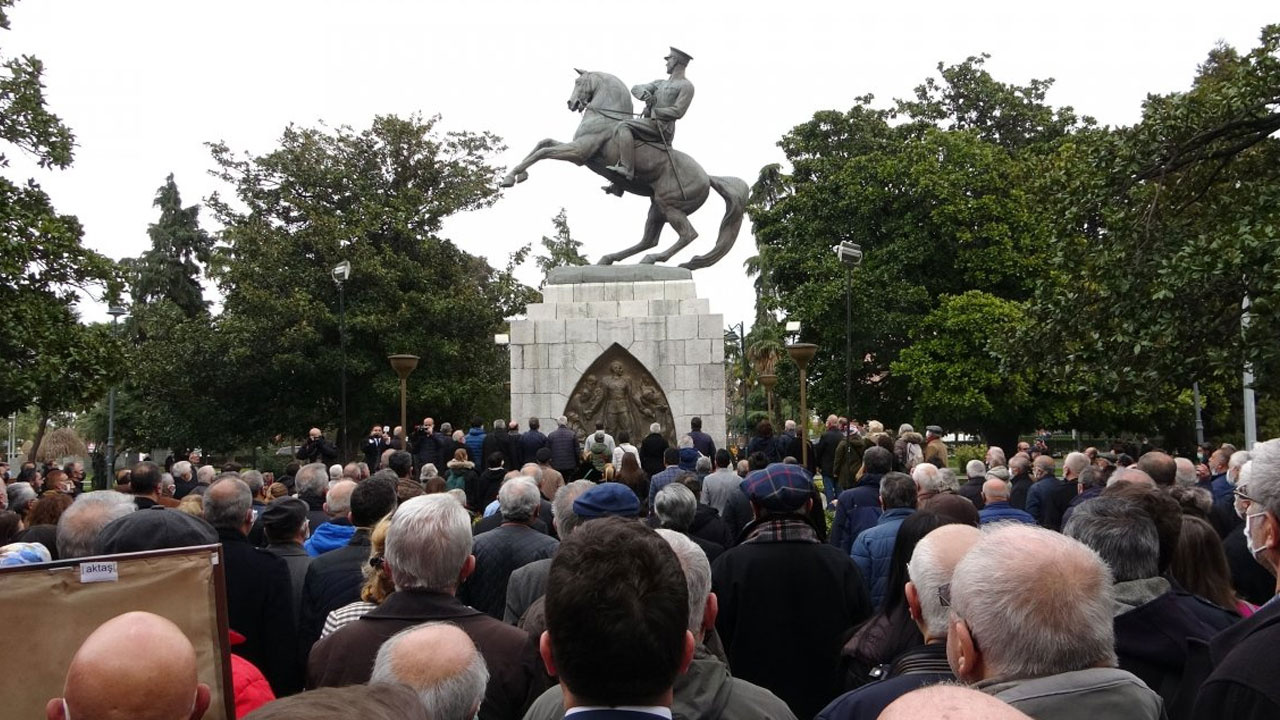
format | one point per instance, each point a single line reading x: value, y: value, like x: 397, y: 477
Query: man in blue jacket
x: 475, y: 441
x: 873, y: 548
x: 995, y: 493
x: 858, y: 508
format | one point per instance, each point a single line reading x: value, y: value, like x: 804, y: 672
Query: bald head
x: 99, y: 686
x: 995, y: 490
x: 953, y: 702
x: 1131, y: 474
x: 440, y: 663
x: 337, y: 502
x: 314, y: 433
x: 1160, y: 466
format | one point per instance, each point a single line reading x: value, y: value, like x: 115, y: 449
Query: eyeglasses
x: 376, y: 561
x: 1240, y: 494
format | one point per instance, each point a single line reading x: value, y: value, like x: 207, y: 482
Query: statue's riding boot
x: 626, y: 157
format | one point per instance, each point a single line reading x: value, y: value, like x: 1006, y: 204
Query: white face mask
x: 1248, y: 533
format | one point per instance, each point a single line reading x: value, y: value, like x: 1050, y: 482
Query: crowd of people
x: 501, y: 574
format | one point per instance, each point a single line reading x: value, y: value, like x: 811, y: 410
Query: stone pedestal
x: 653, y: 313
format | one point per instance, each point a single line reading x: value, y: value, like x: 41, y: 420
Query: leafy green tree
x: 374, y: 197
x: 52, y: 362
x: 562, y: 249
x: 171, y: 269
x: 1161, y: 230
x: 934, y: 189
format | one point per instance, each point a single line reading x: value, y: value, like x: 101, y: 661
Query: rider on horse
x: 665, y: 102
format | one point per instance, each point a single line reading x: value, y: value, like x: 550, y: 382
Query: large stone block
x: 587, y: 292
x: 695, y: 306
x: 540, y: 311
x: 653, y: 329
x: 671, y: 353
x: 717, y: 350
x: 521, y: 332
x: 682, y: 327
x: 687, y: 377
x: 633, y: 309
x: 557, y: 293
x: 548, y: 331
x: 679, y: 290
x: 601, y: 309
x: 648, y: 291
x: 644, y: 351
x: 580, y: 331
x: 616, y: 330
x: 516, y: 353
x: 711, y: 326
x: 659, y: 308
x: 711, y: 377
x: 535, y: 356
x: 697, y: 352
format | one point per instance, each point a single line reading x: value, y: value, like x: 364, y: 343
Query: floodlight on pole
x: 850, y: 256
x: 340, y: 274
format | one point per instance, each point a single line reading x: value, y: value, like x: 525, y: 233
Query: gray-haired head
x: 1121, y: 532
x: 562, y: 515
x: 500, y: 424
x: 1264, y: 477
x: 181, y: 469
x: 427, y: 472
x: 205, y: 474
x: 254, y: 480
x: 228, y: 503
x: 1237, y: 461
x: 995, y: 456
x: 21, y: 494
x: 926, y: 478
x: 1185, y: 473
x: 439, y: 662
x: 312, y: 479
x: 675, y: 506
x: 337, y: 503
x: 655, y: 427
x: 697, y: 575
x: 1062, y: 619
x: 932, y: 562
x: 947, y: 480
x: 1019, y: 464
x: 428, y: 543
x: 975, y: 469
x: 905, y: 428
x: 703, y: 465
x: 518, y: 499
x: 79, y: 524
x: 532, y: 470
x: 1073, y: 463
x: 685, y: 442
x: 897, y: 490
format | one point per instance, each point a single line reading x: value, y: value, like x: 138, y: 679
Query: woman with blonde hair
x: 377, y: 583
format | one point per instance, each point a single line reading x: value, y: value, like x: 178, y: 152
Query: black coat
x: 318, y: 450
x: 651, y: 450
x: 1244, y: 684
x: 373, y: 447
x: 1019, y: 486
x: 531, y: 441
x: 333, y: 580
x: 826, y: 452
x: 972, y: 489
x: 260, y: 607
x: 429, y: 449
x: 485, y: 489
x: 496, y: 442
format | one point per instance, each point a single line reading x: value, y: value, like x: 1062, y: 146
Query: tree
x: 934, y: 189
x: 52, y: 362
x: 171, y: 269
x: 562, y: 249
x: 1162, y: 229
x: 374, y: 197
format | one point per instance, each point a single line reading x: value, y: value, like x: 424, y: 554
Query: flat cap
x: 607, y: 499
x: 284, y: 515
x: 154, y: 529
x: 780, y: 487
x: 934, y: 429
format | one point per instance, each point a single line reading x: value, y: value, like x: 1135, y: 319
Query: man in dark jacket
x: 487, y: 484
x: 496, y: 442
x: 702, y: 442
x: 285, y: 524
x: 506, y: 548
x: 334, y: 579
x: 825, y: 451
x: 975, y: 472
x: 259, y: 592
x: 873, y: 548
x: 514, y: 452
x: 428, y: 555
x: 563, y: 444
x: 781, y: 564
x: 531, y: 441
x: 373, y: 447
x: 474, y: 440
x: 317, y: 449
x: 1152, y: 629
x: 651, y: 451
x: 859, y: 507
x: 1020, y: 481
x: 427, y: 445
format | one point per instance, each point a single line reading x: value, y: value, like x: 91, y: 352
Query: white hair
x: 312, y: 478
x: 1237, y: 461
x: 697, y: 574
x: 929, y: 568
x: 675, y: 506
x: 685, y: 442
x: 206, y: 474
x: 182, y: 468
x: 1075, y: 462
x: 1185, y: 473
x: 905, y: 428
x: 427, y: 472
x: 1264, y: 475
x: 452, y: 697
x: 335, y: 471
x: 1062, y: 620
x: 995, y: 453
x: 428, y: 543
x: 789, y: 425
x: 975, y: 468
x: 80, y: 523
x: 655, y: 427
x: 533, y: 470
x: 518, y: 499
x: 166, y: 479
x: 926, y: 477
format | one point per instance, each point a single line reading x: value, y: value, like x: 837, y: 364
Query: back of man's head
x: 207, y: 473
x: 897, y: 490
x: 562, y: 515
x: 975, y: 469
x: 877, y: 460
x: 723, y: 458
x: 675, y: 505
x: 1019, y: 464
x: 375, y: 701
x: 1163, y: 510
x: 932, y: 563
x: 671, y: 456
x: 518, y: 499
x: 1160, y: 466
x: 79, y: 525
x: 995, y: 490
x: 927, y: 478
x: 439, y: 662
x: 1073, y: 464
x: 1046, y: 464
x: 617, y: 632
x: 429, y: 543
x: 227, y: 504
x: 1121, y: 532
x: 98, y: 685
x: 337, y: 503
x: 312, y: 479
x: 371, y: 501
x: 534, y: 423
x: 254, y: 480
x: 953, y: 702
x: 697, y: 575
x: 494, y: 460
x: 145, y: 478
x: 401, y: 463
x: 695, y: 423
x: 1055, y: 616
x: 182, y: 470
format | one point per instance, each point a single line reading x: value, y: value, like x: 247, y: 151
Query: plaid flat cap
x: 780, y: 487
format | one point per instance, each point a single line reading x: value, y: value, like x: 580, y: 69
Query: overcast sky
x: 144, y: 84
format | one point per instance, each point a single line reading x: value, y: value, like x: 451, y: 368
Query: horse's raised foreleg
x: 652, y: 228
x: 680, y: 221
x: 574, y: 152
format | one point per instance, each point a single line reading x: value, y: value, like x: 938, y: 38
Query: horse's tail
x: 735, y: 193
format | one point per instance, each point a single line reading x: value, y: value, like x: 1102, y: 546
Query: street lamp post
x: 801, y: 354
x: 116, y: 312
x: 768, y: 380
x: 850, y: 255
x: 340, y: 273
x: 742, y: 347
x: 403, y: 365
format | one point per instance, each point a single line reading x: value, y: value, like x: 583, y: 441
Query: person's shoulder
x: 753, y: 702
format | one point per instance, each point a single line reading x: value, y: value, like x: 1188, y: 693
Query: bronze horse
x: 674, y: 182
